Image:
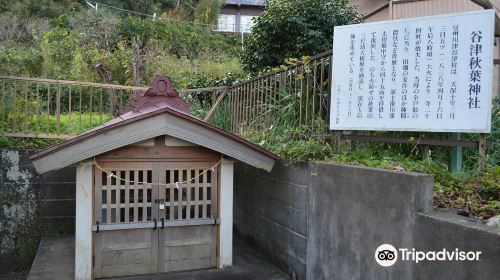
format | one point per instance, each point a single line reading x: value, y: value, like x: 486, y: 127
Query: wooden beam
x: 159, y: 141
x: 226, y: 215
x: 482, y: 152
x: 176, y: 223
x: 148, y: 153
x: 211, y: 112
x: 83, y: 226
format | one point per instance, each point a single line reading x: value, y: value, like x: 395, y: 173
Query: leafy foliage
x: 478, y: 193
x: 19, y: 29
x: 492, y: 160
x: 98, y: 28
x: 297, y: 28
x: 286, y: 136
x: 20, y: 58
x: 79, y: 41
x: 39, y: 8
x: 207, y: 11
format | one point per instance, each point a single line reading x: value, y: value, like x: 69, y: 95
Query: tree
x: 97, y: 27
x: 207, y: 11
x: 294, y: 28
x: 39, y: 8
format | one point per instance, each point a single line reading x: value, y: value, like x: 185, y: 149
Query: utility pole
x: 391, y: 10
x: 92, y: 6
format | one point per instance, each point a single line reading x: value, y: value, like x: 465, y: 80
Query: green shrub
x: 476, y: 192
x: 20, y: 60
x: 78, y: 41
x: 294, y: 28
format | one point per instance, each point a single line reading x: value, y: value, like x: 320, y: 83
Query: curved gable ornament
x: 161, y: 94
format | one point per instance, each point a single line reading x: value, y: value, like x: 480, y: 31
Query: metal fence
x: 250, y: 106
x: 250, y: 103
x: 45, y: 108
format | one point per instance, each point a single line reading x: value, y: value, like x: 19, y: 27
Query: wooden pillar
x: 83, y: 223
x: 482, y: 152
x: 226, y: 215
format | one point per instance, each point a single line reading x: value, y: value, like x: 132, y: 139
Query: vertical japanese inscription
x: 428, y: 72
x: 441, y: 71
x: 416, y: 79
x: 435, y: 72
x: 394, y: 63
x: 405, y: 69
x: 476, y: 49
x: 361, y: 75
x: 371, y: 83
x: 382, y: 75
x: 352, y: 48
x: 453, y: 71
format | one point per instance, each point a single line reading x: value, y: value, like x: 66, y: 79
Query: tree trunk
x: 106, y: 78
x: 139, y: 61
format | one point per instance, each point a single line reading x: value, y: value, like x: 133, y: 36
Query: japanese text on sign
x: 424, y: 74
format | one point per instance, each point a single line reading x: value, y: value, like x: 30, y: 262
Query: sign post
x: 431, y: 74
x: 456, y: 161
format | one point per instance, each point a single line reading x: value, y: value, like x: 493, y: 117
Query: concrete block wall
x: 31, y: 205
x: 58, y: 200
x: 445, y: 229
x: 20, y: 224
x: 353, y: 210
x: 270, y: 213
x: 350, y: 211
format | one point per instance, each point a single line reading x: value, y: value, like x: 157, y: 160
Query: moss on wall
x: 20, y: 200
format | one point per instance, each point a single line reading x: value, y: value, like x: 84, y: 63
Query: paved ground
x: 55, y: 260
x: 14, y: 276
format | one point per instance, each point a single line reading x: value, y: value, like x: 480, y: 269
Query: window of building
x: 247, y: 23
x: 226, y: 23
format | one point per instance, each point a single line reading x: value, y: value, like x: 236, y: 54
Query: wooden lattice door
x: 124, y: 243
x: 146, y: 223
x: 190, y: 240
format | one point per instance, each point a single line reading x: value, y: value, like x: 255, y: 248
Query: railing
x: 249, y: 104
x: 45, y: 108
x: 252, y: 105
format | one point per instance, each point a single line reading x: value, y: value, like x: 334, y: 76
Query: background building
x: 378, y: 10
x: 236, y: 15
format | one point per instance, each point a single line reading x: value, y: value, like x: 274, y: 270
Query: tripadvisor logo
x: 387, y: 255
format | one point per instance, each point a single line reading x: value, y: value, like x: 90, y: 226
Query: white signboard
x: 424, y: 74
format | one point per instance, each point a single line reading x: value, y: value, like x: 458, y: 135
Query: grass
x: 477, y: 193
x: 69, y: 124
x: 18, y: 143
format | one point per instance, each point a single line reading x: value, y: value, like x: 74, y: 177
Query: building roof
x: 259, y: 3
x: 155, y: 112
x: 488, y: 4
x: 369, y: 7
